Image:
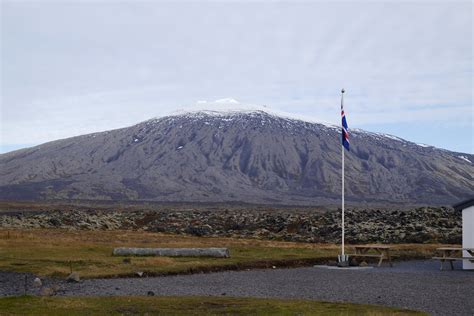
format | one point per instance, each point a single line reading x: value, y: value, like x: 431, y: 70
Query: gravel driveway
x: 415, y: 285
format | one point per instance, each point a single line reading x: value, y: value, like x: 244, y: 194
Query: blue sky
x: 70, y: 68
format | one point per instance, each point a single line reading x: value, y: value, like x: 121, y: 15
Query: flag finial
x: 342, y: 91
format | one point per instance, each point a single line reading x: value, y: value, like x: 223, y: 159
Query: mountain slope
x: 250, y: 156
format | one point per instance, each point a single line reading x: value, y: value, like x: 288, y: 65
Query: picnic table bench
x: 449, y: 254
x: 374, y: 251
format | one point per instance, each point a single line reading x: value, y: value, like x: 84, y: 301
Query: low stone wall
x: 398, y: 226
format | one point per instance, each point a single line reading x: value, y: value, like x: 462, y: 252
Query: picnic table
x: 374, y: 251
x: 450, y: 254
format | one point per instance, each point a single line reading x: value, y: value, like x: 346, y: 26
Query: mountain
x: 250, y: 156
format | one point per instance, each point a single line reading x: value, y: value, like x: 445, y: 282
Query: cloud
x: 399, y: 62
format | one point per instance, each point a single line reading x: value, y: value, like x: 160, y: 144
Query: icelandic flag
x: 345, y: 129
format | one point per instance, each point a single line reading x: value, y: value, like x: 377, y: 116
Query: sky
x: 75, y: 67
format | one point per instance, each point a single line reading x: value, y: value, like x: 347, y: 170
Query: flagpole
x: 342, y: 191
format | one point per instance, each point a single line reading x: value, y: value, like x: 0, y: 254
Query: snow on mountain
x: 464, y: 158
x: 229, y: 107
x: 423, y: 145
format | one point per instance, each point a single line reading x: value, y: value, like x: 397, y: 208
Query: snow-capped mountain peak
x: 231, y: 107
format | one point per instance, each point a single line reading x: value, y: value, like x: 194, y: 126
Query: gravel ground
x: 415, y: 285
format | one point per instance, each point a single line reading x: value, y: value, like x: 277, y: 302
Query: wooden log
x: 173, y: 252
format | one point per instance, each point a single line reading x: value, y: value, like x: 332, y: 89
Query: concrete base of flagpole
x: 343, y: 261
x: 341, y: 268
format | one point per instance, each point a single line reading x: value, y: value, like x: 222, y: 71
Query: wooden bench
x: 380, y: 252
x: 449, y: 255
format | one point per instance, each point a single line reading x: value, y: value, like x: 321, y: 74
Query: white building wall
x: 467, y: 235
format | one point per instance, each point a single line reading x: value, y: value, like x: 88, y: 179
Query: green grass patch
x: 54, y: 252
x: 28, y: 305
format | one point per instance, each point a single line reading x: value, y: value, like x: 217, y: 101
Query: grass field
x: 54, y: 252
x: 28, y: 305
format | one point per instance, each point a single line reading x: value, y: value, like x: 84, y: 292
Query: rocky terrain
x: 419, y: 225
x: 252, y: 156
